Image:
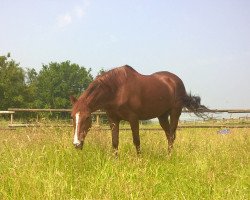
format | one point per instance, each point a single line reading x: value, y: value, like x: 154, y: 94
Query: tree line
x: 48, y: 88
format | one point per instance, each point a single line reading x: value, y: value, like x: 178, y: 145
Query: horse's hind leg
x: 174, y: 119
x: 164, y: 122
x: 170, y: 129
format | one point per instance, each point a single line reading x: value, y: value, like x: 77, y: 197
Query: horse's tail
x: 193, y: 104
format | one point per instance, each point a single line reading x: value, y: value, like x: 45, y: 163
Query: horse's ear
x: 73, y: 100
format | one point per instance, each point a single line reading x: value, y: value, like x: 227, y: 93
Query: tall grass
x: 41, y: 163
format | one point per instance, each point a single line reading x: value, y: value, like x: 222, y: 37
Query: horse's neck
x: 98, y: 99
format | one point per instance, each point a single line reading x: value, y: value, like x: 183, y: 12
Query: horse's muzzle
x: 79, y: 145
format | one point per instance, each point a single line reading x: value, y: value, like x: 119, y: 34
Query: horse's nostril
x: 79, y: 145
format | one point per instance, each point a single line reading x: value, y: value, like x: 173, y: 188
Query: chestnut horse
x: 127, y: 95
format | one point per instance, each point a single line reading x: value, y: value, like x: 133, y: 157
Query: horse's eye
x: 87, y: 118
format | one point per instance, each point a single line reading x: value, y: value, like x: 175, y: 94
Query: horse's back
x: 164, y: 82
x: 152, y: 95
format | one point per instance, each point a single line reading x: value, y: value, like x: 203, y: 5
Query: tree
x: 101, y: 71
x: 57, y: 81
x: 31, y: 87
x: 50, y: 88
x: 12, y: 84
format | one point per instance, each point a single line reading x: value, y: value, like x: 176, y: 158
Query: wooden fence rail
x: 46, y: 110
x: 11, y: 113
x: 69, y: 110
x: 97, y: 114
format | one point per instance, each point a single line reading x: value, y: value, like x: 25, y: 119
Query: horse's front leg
x: 136, y: 137
x: 114, y: 125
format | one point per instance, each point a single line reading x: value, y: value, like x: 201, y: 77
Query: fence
x: 14, y: 110
x: 98, y: 114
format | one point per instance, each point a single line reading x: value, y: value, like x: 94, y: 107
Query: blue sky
x: 206, y: 43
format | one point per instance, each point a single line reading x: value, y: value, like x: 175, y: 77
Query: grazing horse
x: 128, y: 95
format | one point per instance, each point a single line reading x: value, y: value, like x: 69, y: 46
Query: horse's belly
x: 152, y: 109
x: 141, y: 112
x: 149, y: 113
x: 150, y: 106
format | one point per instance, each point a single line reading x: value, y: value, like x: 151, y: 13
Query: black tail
x: 193, y: 104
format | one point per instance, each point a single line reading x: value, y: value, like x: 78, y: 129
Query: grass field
x: 41, y: 163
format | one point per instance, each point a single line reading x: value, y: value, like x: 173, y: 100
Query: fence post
x: 11, y: 118
x: 97, y: 119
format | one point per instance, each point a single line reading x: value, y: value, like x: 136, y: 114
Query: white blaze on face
x: 76, y: 141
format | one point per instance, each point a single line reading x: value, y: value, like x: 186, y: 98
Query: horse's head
x: 81, y: 122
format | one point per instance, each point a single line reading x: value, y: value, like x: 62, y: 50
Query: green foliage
x: 50, y: 88
x: 12, y: 84
x: 31, y: 83
x: 101, y: 71
x: 57, y: 81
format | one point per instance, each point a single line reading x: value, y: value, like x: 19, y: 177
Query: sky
x: 205, y: 42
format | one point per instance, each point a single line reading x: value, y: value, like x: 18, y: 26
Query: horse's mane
x: 108, y: 82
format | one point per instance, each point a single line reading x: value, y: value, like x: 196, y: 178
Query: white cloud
x: 64, y: 20
x: 78, y: 12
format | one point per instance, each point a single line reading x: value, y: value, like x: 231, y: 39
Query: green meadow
x: 41, y: 163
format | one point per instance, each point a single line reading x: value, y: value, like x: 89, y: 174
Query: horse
x: 125, y: 94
